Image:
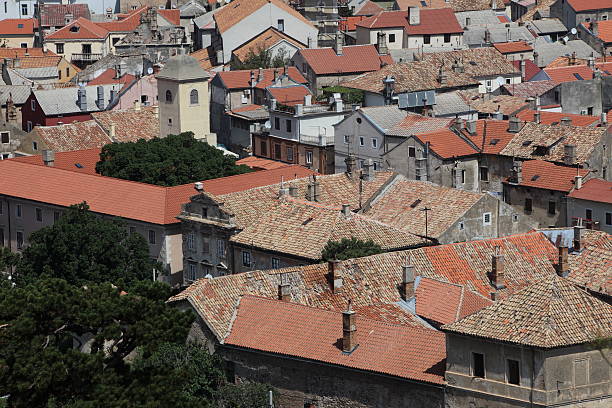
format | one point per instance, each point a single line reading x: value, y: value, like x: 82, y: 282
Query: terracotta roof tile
x: 21, y: 52
x: 540, y: 5
x: 18, y: 26
x: 554, y: 118
x: 505, y: 104
x: 289, y: 95
x: 531, y: 69
x: 369, y: 8
x: 172, y: 15
x: 595, y: 189
x: 72, y: 136
x: 477, y: 62
x: 569, y: 74
x: 85, y: 30
x: 414, y: 123
x: 205, y: 57
x: 446, y: 144
x: 265, y: 40
x: 86, y: 159
x: 301, y: 331
x: 584, y: 5
x: 549, y: 176
x: 258, y: 163
x: 354, y: 59
x: 231, y: 14
x: 128, y: 23
x: 431, y: 4
x: 348, y: 23
x: 551, y: 313
x: 39, y: 62
x: 54, y: 15
x: 130, y: 124
x: 530, y: 89
x: 432, y: 21
x: 591, y: 268
x: 492, y: 138
x: 240, y: 79
x: 108, y: 77
x: 512, y: 47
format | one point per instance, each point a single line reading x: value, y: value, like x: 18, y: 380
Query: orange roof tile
x: 300, y: 331
x: 570, y: 73
x: 446, y: 144
x: 172, y: 15
x: 289, y: 95
x: 594, y: 190
x: 369, y: 8
x: 87, y: 160
x: 54, y: 15
x: 108, y: 77
x: 354, y: 59
x: 127, y: 24
x: 584, y: 5
x: 590, y: 268
x: 554, y: 118
x: 231, y: 14
x: 433, y: 21
x: 258, y: 163
x: 130, y: 124
x: 240, y: 79
x: 18, y: 26
x: 491, y: 135
x: 512, y: 47
x: 348, y: 23
x: 205, y: 57
x: 85, y: 30
x: 21, y: 52
x: 265, y: 40
x: 549, y: 176
x: 72, y: 136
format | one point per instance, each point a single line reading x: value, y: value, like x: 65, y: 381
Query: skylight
x: 494, y: 141
x: 578, y: 77
x: 416, y: 202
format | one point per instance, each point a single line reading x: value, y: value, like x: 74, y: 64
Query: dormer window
x: 74, y: 29
x: 204, y: 212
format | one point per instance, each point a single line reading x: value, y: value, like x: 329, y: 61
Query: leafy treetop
x: 169, y: 161
x: 349, y: 248
x: 261, y: 58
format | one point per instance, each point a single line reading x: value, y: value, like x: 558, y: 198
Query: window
x: 608, y: 218
x: 488, y: 84
x: 391, y: 38
x: 191, y: 241
x: 411, y: 152
x: 552, y: 210
x: 59, y: 48
x: 588, y: 214
x: 361, y: 141
x: 528, y: 205
x: 67, y: 71
x: 1, y: 208
x: 144, y: 99
x: 204, y: 212
x: 246, y: 258
x: 220, y: 248
x: 192, y: 270
x: 277, y: 123
x: 152, y: 237
x: 447, y: 38
x: 484, y: 174
x: 376, y: 166
x: 168, y: 96
x: 462, y: 176
x: 277, y: 151
x: 478, y: 365
x: 374, y: 143
x: 461, y: 225
x: 347, y: 139
x: 132, y: 230
x: 19, y: 239
x: 18, y: 211
x: 309, y: 157
x: 275, y: 263
x: 513, y: 372
x: 427, y: 39
x: 24, y: 9
x: 288, y: 125
x: 193, y: 97
x: 57, y: 215
x: 1, y: 237
x: 515, y: 217
x: 59, y: 74
x: 508, y: 81
x: 486, y: 218
x: 581, y: 372
x: 280, y: 25
x: 115, y: 40
x: 24, y: 45
x: 205, y: 245
x: 170, y: 122
x: 33, y: 105
x: 290, y: 154
x: 263, y: 149
x: 29, y: 128
x: 39, y: 215
x: 4, y: 137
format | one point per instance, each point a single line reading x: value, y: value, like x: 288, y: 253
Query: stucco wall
x: 357, y: 126
x: 516, y: 195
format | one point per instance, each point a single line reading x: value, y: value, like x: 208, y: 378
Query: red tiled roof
x: 368, y: 9
x: 594, y: 190
x: 584, y: 5
x: 531, y: 69
x: 433, y: 21
x: 348, y: 23
x: 87, y: 160
x: 53, y: 15
x: 205, y: 57
x: 240, y: 79
x: 38, y: 62
x: 86, y: 30
x: 289, y: 95
x: 72, y: 136
x: 231, y: 14
x: 130, y: 124
x: 566, y: 74
x: 503, y: 19
x: 549, y: 176
x: 127, y: 24
x: 18, y: 26
x: 265, y: 40
x: 445, y: 302
x: 512, y: 47
x: 354, y: 59
x: 172, y: 15
x: 604, y: 30
x: 492, y: 138
x: 446, y: 144
x: 108, y: 77
x: 301, y: 331
x: 551, y: 118
x: 21, y: 52
x: 258, y: 163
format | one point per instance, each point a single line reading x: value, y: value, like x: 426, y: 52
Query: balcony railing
x: 320, y: 140
x: 86, y: 57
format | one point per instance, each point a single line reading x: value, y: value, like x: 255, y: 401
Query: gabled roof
x: 477, y: 62
x: 548, y: 314
x: 289, y: 95
x: 413, y: 124
x: 265, y: 40
x: 205, y: 57
x: 590, y: 268
x: 60, y: 101
x: 585, y: 5
x: 368, y: 8
x: 79, y: 29
x: 72, y: 136
x: 432, y: 21
x: 512, y: 47
x: 18, y: 26
x: 569, y: 74
x: 53, y: 15
x: 505, y: 104
x: 300, y: 331
x: 354, y: 59
x: 444, y: 302
x: 108, y: 77
x: 446, y: 144
x: 130, y: 124
x: 302, y: 228
x: 258, y: 163
x: 491, y: 135
x: 39, y: 62
x: 595, y: 189
x: 182, y: 68
x: 86, y: 160
x: 231, y: 14
x: 21, y: 52
x: 549, y: 176
x: 554, y: 118
x: 240, y: 79
x: 530, y: 89
x: 531, y: 70
x: 383, y: 117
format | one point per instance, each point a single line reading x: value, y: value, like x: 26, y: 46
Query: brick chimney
x: 514, y: 125
x: 578, y: 239
x: 284, y: 291
x: 517, y: 172
x: 313, y: 192
x: 569, y: 156
x: 349, y: 330
x: 351, y: 165
x: 333, y: 268
x: 407, y: 280
x: 381, y: 43
x: 563, y: 264
x: 498, y: 270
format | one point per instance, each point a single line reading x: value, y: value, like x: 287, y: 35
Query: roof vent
x: 199, y: 186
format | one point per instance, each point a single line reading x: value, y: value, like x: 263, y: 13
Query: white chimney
x: 414, y: 16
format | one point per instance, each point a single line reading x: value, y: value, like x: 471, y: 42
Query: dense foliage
x: 261, y: 58
x: 348, y: 95
x: 82, y: 247
x: 349, y: 248
x: 169, y: 161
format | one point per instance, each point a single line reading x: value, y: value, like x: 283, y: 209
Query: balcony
x: 89, y: 57
x: 320, y: 140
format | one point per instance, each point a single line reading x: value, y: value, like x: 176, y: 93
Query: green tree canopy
x: 261, y: 58
x: 82, y: 247
x: 169, y: 161
x: 349, y: 248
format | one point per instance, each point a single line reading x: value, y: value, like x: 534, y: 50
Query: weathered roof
x: 259, y: 163
x: 414, y: 123
x: 530, y: 89
x: 130, y: 124
x: 54, y: 15
x: 182, y: 68
x: 554, y: 118
x: 383, y: 117
x: 505, y: 104
x: 60, y: 101
x: 491, y: 135
x: 548, y: 51
x: 19, y: 93
x: 591, y: 268
x: 432, y: 21
x: 79, y: 29
x: 595, y: 189
x: 240, y: 79
x: 548, y: 314
x: 449, y: 104
x: 354, y: 59
x: 549, y: 176
x: 300, y: 331
x: 477, y: 62
x: 585, y: 5
x: 72, y: 136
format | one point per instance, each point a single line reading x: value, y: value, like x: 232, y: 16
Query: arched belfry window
x: 168, y: 96
x: 193, y: 97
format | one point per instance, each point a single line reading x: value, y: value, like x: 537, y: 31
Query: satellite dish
x: 149, y: 71
x: 574, y: 31
x: 500, y: 81
x: 565, y: 39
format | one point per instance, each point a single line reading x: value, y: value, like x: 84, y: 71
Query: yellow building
x: 17, y: 32
x: 182, y: 86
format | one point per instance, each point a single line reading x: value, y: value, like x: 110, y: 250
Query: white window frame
x: 221, y: 251
x: 374, y: 143
x: 309, y: 157
x: 484, y: 218
x: 246, y: 258
x: 347, y: 139
x: 361, y: 141
x: 191, y: 241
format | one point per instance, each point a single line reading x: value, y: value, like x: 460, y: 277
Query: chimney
x: 339, y: 43
x: 569, y: 157
x: 260, y: 75
x: 346, y: 210
x: 275, y: 75
x: 252, y: 79
x: 313, y: 189
x: 111, y: 131
x: 381, y: 43
x: 536, y: 58
x: 272, y: 104
x: 282, y: 191
x: 136, y: 105
x: 563, y: 265
x: 368, y: 170
x: 333, y: 268
x: 532, y: 103
x: 293, y: 191
x: 156, y: 111
x: 487, y: 36
x: 414, y: 17
x: 603, y: 119
x: 591, y: 62
x: 199, y: 186
x: 442, y: 79
x: 284, y: 291
x: 299, y: 109
x: 498, y: 269
x: 517, y: 172
x: 457, y: 66
x: 523, y: 70
x: 351, y: 165
x: 48, y: 157
x: 82, y: 98
x: 514, y: 125
x: 219, y: 55
x: 470, y: 125
x: 578, y: 182
x: 100, y: 97
x: 578, y: 241
x: 458, y: 123
x: 407, y: 280
x: 349, y: 329
x: 565, y: 121
x: 537, y: 116
x: 307, y: 100
x: 595, y: 28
